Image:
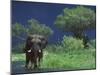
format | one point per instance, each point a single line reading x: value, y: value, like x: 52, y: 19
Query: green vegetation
x: 69, y: 55
x: 34, y: 27
x: 76, y: 20
x: 71, y: 43
x: 76, y: 60
x: 20, y: 32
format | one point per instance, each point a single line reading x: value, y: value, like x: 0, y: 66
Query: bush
x: 54, y: 48
x: 84, y: 60
x: 67, y: 44
x: 93, y: 43
x: 70, y: 43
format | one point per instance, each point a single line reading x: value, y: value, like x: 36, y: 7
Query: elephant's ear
x: 43, y: 42
x: 27, y: 43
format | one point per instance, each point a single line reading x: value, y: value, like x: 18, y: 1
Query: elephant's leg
x: 35, y: 64
x: 32, y: 64
x: 27, y: 60
x: 40, y: 58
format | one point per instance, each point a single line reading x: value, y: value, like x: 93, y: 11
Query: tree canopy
x: 36, y: 28
x: 76, y: 20
x: 33, y: 27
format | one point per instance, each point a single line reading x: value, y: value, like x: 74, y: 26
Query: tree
x: 76, y: 20
x: 36, y: 28
x: 17, y: 30
x: 33, y: 27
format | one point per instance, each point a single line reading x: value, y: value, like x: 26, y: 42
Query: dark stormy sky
x: 45, y: 13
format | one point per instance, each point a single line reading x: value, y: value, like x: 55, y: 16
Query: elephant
x: 34, y: 50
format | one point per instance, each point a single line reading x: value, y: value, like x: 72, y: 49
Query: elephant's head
x: 36, y: 42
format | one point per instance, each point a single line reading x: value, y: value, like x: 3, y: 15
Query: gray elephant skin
x: 34, y: 50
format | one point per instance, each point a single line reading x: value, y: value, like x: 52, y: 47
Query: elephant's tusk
x: 29, y: 50
x: 39, y: 51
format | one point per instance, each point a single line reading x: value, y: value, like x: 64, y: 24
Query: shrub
x: 70, y: 43
x: 93, y: 43
x: 54, y: 48
x: 67, y: 44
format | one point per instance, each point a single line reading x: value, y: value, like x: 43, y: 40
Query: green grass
x: 69, y: 54
x: 17, y: 57
x: 82, y: 59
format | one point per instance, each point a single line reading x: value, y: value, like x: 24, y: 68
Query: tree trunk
x: 78, y: 34
x: 82, y: 36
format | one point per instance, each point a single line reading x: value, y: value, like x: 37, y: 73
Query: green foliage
x: 36, y: 28
x: 84, y: 60
x: 69, y: 55
x: 18, y: 29
x: 18, y: 57
x: 93, y: 43
x: 76, y: 18
x: 54, y: 48
x: 70, y: 43
x: 78, y: 60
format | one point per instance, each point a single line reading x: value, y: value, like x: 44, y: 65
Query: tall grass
x: 69, y: 55
x: 76, y: 60
x: 81, y: 60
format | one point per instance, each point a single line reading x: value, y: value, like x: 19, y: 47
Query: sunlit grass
x: 69, y: 61
x: 18, y: 57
